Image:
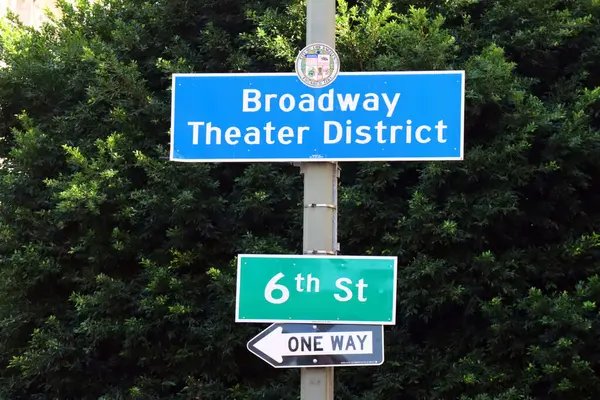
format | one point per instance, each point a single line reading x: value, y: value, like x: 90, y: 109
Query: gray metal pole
x: 320, y: 197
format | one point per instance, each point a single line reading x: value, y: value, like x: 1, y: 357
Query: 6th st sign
x: 319, y: 289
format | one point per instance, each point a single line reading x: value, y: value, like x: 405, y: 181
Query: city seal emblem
x: 317, y: 65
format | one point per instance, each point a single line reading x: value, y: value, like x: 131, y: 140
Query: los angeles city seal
x: 317, y: 65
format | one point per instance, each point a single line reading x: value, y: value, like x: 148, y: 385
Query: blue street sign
x: 361, y: 116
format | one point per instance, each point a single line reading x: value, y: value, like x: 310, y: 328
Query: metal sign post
x: 320, y: 198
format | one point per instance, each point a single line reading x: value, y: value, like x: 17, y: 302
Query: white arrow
x: 277, y: 344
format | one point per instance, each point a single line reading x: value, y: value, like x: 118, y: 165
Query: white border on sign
x: 324, y: 159
x: 462, y: 116
x: 302, y: 321
x: 274, y: 365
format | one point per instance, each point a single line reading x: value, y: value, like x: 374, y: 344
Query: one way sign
x: 322, y: 345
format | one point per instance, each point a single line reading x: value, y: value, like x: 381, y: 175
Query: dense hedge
x: 116, y: 265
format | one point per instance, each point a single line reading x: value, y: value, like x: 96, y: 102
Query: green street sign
x: 316, y: 289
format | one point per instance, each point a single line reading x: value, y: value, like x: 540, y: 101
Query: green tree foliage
x: 117, y: 275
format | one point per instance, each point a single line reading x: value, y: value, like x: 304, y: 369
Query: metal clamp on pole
x: 299, y: 164
x: 315, y: 205
x: 323, y: 252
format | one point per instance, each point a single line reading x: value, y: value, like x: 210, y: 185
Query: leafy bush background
x: 117, y: 266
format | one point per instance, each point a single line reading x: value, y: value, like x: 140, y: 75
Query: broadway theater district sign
x: 274, y: 117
